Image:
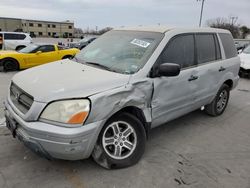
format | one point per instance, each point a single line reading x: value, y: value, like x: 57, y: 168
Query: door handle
x: 222, y: 69
x: 192, y: 77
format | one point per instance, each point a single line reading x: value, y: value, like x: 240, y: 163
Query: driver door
x: 43, y: 54
x: 173, y: 96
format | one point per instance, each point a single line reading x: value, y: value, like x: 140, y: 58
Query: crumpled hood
x: 245, y: 60
x: 67, y: 79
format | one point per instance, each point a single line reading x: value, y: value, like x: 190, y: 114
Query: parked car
x: 14, y: 40
x: 245, y: 62
x: 33, y: 55
x: 82, y: 43
x: 240, y: 46
x: 105, y: 101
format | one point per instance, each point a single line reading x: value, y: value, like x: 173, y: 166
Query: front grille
x: 20, y: 98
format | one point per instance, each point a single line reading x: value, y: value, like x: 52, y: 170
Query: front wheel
x: 10, y: 65
x: 67, y: 57
x: 219, y: 104
x: 121, y: 142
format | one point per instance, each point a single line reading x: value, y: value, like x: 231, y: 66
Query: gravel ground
x: 195, y: 151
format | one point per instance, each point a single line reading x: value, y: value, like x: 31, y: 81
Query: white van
x: 14, y: 40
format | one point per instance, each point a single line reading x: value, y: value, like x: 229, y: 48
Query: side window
x: 13, y: 36
x: 228, y: 45
x: 9, y: 36
x: 46, y: 48
x: 179, y: 50
x: 21, y: 36
x: 206, y: 48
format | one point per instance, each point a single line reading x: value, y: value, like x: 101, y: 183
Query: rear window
x: 12, y: 36
x: 62, y: 47
x: 207, y: 48
x: 228, y: 45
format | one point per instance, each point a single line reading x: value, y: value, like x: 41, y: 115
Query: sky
x: 116, y: 13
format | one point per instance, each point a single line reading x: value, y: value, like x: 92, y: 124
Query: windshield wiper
x: 100, y: 65
x: 95, y: 64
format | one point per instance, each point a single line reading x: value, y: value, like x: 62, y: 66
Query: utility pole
x: 233, y: 19
x: 201, y: 14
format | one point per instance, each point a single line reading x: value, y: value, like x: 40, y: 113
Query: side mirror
x: 168, y: 69
x: 38, y: 52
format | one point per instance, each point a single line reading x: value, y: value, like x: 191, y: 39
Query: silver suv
x: 104, y: 101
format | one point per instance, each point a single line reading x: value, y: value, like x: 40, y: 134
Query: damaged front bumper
x: 52, y: 141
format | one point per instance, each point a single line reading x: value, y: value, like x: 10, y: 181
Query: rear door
x: 10, y: 41
x: 173, y: 96
x: 47, y: 54
x: 231, y: 61
x: 14, y: 40
x: 208, y: 70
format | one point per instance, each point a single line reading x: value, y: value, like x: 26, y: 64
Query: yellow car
x: 33, y: 55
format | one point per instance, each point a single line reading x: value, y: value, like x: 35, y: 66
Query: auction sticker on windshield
x: 140, y: 43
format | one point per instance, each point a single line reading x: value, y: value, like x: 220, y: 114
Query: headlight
x: 67, y: 111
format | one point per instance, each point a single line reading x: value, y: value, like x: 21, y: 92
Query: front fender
x: 106, y: 104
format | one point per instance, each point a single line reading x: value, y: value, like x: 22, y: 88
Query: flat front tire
x: 219, y: 104
x: 121, y: 142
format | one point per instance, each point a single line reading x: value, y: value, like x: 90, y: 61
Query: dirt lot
x: 193, y: 151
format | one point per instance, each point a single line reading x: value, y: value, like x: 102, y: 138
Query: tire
x: 20, y: 47
x: 241, y: 75
x: 82, y: 47
x: 219, y: 104
x: 67, y: 57
x: 113, y: 150
x: 10, y: 65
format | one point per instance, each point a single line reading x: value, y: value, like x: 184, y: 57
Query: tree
x: 244, y: 31
x: 97, y: 32
x: 104, y: 30
x: 226, y: 23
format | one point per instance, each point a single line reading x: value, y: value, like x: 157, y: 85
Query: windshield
x: 247, y: 50
x: 121, y: 51
x: 29, y: 49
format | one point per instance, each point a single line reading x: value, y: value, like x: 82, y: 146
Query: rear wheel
x: 219, y: 104
x: 20, y: 47
x: 10, y: 65
x: 121, y: 142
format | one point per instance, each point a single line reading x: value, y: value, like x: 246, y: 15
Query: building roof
x: 67, y: 21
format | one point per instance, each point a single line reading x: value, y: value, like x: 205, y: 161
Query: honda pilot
x: 104, y: 101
